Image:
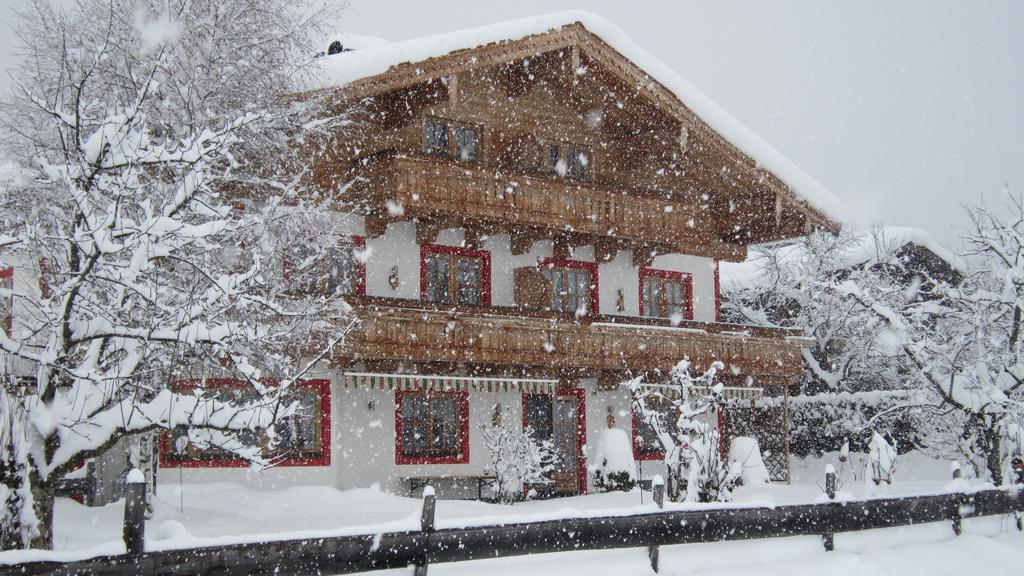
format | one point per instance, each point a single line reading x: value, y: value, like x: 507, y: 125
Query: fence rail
x: 343, y: 555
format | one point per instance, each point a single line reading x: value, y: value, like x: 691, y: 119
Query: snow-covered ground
x: 208, y: 514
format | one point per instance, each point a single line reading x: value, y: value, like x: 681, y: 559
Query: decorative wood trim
x: 643, y: 256
x: 427, y: 231
x: 595, y: 300
x: 684, y: 277
x: 169, y: 460
x: 462, y: 399
x: 376, y: 224
x: 485, y: 267
x: 605, y: 250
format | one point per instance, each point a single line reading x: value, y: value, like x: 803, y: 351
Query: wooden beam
x: 453, y: 91
x: 427, y: 231
x: 376, y: 224
x: 643, y: 255
x: 562, y: 249
x: 605, y: 250
x: 522, y: 241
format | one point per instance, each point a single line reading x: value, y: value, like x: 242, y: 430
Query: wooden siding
x: 424, y: 335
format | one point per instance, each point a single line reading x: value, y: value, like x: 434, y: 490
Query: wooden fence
x: 343, y: 555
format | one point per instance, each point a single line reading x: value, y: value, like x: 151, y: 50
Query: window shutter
x: 532, y: 289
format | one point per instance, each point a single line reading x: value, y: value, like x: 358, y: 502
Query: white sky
x: 905, y: 110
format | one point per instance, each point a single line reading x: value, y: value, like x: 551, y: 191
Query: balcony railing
x: 428, y: 186
x: 505, y: 337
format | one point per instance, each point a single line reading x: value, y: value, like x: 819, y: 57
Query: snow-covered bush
x: 696, y: 471
x: 747, y: 453
x: 516, y: 457
x: 157, y: 177
x: 615, y: 468
x: 827, y: 421
x: 881, y: 459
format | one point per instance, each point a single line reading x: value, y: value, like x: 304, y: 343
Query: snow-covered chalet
x: 535, y: 212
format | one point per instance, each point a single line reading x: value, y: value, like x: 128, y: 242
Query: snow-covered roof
x: 347, y: 67
x: 862, y: 250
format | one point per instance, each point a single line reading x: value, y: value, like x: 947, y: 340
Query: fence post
x: 426, y: 526
x: 831, y: 484
x: 134, y: 532
x: 957, y: 519
x: 658, y: 489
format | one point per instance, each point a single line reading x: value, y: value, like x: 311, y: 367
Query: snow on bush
x: 615, y: 468
x: 516, y: 457
x: 881, y: 459
x: 746, y: 451
x: 696, y: 471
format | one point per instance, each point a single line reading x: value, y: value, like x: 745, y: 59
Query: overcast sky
x: 904, y: 110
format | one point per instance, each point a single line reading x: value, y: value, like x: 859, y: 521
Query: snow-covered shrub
x: 516, y: 457
x: 696, y: 471
x: 825, y: 422
x: 881, y: 459
x: 747, y: 453
x: 615, y: 468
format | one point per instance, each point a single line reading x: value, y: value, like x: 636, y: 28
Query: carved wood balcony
x: 507, y: 337
x: 461, y: 193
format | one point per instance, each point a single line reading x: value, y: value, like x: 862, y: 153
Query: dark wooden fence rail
x: 344, y: 555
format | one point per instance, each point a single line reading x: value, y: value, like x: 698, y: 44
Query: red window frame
x: 463, y: 410
x: 595, y: 300
x: 639, y: 454
x: 358, y: 243
x: 168, y: 459
x: 581, y: 429
x: 8, y: 320
x: 684, y: 277
x: 485, y: 267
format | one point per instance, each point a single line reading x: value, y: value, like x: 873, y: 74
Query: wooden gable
x: 549, y: 87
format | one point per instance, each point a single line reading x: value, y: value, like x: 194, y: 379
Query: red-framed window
x: 646, y: 445
x: 455, y: 275
x: 431, y: 427
x: 7, y: 301
x: 541, y: 417
x: 573, y: 283
x: 339, y: 270
x: 666, y: 294
x: 304, y: 438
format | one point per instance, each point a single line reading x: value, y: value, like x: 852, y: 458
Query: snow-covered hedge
x: 823, y: 422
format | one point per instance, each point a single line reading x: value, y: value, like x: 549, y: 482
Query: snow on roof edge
x: 341, y: 69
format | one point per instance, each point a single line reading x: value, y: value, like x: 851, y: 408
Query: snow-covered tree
x: 963, y: 344
x: 696, y: 471
x: 159, y: 174
x: 794, y: 292
x: 516, y: 457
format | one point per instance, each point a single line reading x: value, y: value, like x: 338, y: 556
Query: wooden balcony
x: 437, y: 188
x: 503, y: 337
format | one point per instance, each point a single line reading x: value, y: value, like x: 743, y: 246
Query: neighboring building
x: 537, y: 212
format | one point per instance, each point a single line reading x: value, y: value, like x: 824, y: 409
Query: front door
x: 559, y: 418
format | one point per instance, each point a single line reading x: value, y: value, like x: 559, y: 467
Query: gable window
x: 6, y: 300
x: 666, y: 294
x: 332, y: 271
x: 568, y: 160
x: 454, y: 275
x: 303, y: 438
x: 573, y: 285
x: 431, y: 427
x: 467, y: 143
x: 435, y: 137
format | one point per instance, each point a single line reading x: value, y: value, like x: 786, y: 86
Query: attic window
x: 568, y: 160
x: 435, y: 137
x: 467, y: 143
